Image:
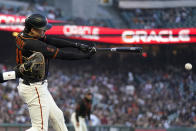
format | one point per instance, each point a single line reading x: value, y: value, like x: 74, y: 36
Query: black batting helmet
x: 37, y: 21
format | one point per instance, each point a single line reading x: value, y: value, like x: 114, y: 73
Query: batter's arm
x: 59, y: 43
x: 53, y: 52
x: 71, y: 55
x: 62, y: 43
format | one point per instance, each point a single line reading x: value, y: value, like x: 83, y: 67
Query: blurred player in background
x: 34, y: 92
x: 83, y: 109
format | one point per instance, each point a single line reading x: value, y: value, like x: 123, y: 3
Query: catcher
x: 34, y: 92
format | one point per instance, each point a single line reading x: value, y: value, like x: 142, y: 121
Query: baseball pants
x: 41, y: 106
x: 82, y: 124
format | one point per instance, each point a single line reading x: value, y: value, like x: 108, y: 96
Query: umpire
x: 83, y: 109
x: 34, y: 92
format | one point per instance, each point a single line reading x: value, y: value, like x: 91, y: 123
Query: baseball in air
x: 188, y: 66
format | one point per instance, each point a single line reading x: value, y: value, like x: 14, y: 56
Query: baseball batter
x: 83, y: 109
x: 34, y: 93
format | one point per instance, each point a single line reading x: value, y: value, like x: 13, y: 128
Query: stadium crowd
x: 51, y: 13
x: 160, y: 18
x: 140, y: 96
x: 135, y: 18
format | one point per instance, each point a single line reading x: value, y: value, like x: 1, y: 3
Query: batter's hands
x: 92, y: 50
x: 84, y: 48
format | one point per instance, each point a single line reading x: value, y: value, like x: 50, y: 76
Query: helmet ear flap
x: 27, y: 29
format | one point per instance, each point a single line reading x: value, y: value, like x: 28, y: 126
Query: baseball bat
x: 122, y: 49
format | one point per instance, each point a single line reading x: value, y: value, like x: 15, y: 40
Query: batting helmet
x: 37, y: 21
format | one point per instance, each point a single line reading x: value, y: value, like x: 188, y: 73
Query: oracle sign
x: 108, y: 35
x: 9, y: 19
x: 86, y: 32
x: 14, y: 19
x: 15, y: 28
x: 156, y: 36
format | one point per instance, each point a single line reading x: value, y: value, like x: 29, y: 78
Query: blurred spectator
x: 36, y: 7
x: 135, y: 18
x: 159, y: 18
x: 52, y: 13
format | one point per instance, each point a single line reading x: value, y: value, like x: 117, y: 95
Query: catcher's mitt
x: 33, y: 69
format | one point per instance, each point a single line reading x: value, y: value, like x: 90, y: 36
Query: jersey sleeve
x: 53, y: 52
x: 39, y: 46
x: 59, y: 43
x: 60, y: 54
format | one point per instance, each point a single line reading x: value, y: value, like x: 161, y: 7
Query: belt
x: 29, y: 83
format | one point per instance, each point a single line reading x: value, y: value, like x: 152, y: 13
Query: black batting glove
x: 82, y: 47
x: 92, y: 50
